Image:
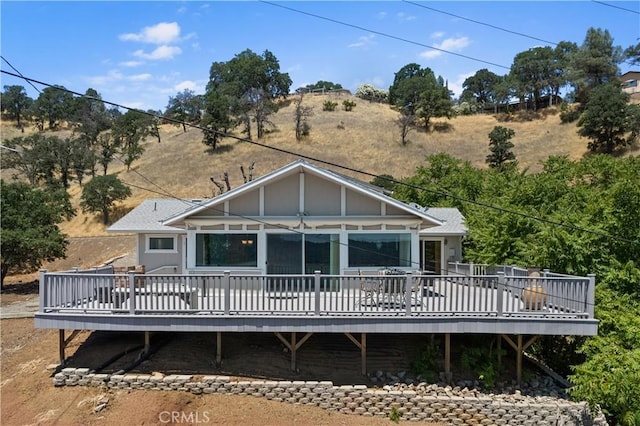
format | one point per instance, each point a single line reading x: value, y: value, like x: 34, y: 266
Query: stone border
x: 430, y: 403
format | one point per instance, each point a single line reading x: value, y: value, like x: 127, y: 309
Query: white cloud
x: 139, y: 77
x: 182, y: 10
x: 187, y: 84
x: 449, y: 44
x: 437, y: 34
x: 403, y: 17
x: 162, y: 33
x: 382, y: 15
x: 101, y: 80
x: 160, y: 53
x: 131, y: 64
x: 363, y: 41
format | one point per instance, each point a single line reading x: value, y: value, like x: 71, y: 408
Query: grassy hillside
x: 366, y: 139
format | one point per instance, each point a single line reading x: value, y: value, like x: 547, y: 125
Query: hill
x: 364, y: 139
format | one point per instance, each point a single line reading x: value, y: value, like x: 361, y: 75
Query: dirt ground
x: 31, y: 398
x: 28, y: 357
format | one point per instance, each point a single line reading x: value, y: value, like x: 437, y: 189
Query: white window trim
x: 147, y: 246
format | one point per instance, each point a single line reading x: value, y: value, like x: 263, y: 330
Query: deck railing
x: 86, y: 292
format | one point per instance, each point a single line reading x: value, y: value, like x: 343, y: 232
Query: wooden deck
x: 495, y: 304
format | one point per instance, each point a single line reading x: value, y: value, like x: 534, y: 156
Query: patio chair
x: 370, y: 288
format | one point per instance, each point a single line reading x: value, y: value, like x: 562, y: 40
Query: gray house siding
x: 163, y: 263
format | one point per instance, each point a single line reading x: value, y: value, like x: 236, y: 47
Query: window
x: 161, y: 244
x: 383, y: 249
x: 228, y: 250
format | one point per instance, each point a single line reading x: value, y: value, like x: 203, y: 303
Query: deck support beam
x: 293, y: 346
x: 218, y: 348
x: 362, y: 345
x: 147, y: 342
x: 447, y: 357
x: 64, y: 342
x: 519, y: 347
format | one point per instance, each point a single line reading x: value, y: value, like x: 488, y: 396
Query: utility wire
x: 354, y: 170
x: 616, y: 7
x: 387, y: 35
x: 478, y: 22
x: 14, y: 68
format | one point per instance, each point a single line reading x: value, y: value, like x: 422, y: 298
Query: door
x: 431, y: 256
x: 295, y: 254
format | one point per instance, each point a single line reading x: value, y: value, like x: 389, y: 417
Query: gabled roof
x: 296, y: 167
x: 453, y: 222
x: 148, y: 216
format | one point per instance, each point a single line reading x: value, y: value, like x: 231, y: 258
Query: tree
x: 186, y: 108
x: 217, y: 119
x: 30, y: 233
x: 480, y: 87
x: 55, y: 104
x: 39, y: 158
x: 594, y: 63
x: 251, y: 83
x: 501, y: 156
x: 129, y: 130
x: 418, y: 91
x: 632, y: 53
x: 301, y: 114
x: 100, y: 194
x: 534, y: 73
x: 15, y: 102
x: 405, y: 122
x: 605, y: 118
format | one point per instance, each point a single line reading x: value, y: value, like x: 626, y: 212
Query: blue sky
x: 140, y: 53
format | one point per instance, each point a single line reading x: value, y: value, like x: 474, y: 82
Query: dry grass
x: 365, y: 139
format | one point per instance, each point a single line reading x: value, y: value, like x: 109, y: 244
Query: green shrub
x: 394, y: 415
x: 569, y: 113
x: 329, y: 106
x: 348, y: 105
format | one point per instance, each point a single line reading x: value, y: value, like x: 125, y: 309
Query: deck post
x: 147, y: 342
x: 227, y: 292
x: 362, y: 345
x: 316, y: 291
x: 293, y: 351
x: 218, y: 348
x: 62, y: 342
x: 447, y: 357
x: 408, y: 289
x: 519, y: 361
x: 591, y: 294
x: 500, y: 294
x: 499, y: 350
x: 61, y: 346
x: 132, y: 292
x: 43, y: 289
x: 293, y: 346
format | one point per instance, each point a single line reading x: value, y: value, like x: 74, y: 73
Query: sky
x: 138, y: 54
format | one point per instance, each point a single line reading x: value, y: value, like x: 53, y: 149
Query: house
x: 298, y: 219
x: 631, y: 83
x: 306, y: 250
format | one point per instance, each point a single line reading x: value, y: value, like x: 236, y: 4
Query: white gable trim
x: 304, y: 166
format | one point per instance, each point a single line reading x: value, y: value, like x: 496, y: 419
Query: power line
x: 14, y: 68
x: 354, y: 170
x: 479, y: 23
x: 616, y: 7
x: 346, y: 24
